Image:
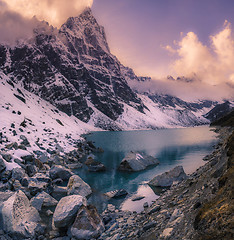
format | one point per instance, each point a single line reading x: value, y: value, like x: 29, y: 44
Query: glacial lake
x: 172, y: 147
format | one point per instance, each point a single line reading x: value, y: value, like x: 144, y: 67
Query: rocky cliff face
x: 71, y: 67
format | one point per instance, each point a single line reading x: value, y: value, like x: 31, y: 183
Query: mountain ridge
x: 73, y: 69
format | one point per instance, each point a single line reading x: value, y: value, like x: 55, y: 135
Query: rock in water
x: 135, y: 161
x: 116, y: 193
x: 88, y: 224
x: 166, y: 179
x: 66, y: 210
x: 19, y: 217
x: 78, y: 187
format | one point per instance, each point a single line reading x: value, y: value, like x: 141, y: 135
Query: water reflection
x: 172, y: 147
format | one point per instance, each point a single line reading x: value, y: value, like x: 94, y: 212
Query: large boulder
x: 19, y: 218
x: 66, y: 210
x: 76, y: 186
x: 166, y: 179
x: 135, y: 161
x: 88, y: 224
x: 43, y: 199
x: 58, y: 171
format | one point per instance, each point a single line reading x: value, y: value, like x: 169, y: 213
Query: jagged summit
x: 73, y: 69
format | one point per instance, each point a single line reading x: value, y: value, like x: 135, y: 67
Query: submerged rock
x: 116, y: 193
x: 135, y: 161
x: 94, y: 166
x: 78, y: 187
x: 166, y: 179
x: 67, y: 209
x: 19, y: 218
x: 88, y: 224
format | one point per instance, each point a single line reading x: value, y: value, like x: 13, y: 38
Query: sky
x: 156, y: 38
x: 140, y: 32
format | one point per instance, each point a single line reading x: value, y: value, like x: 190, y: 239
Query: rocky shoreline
x: 29, y: 208
x: 175, y: 215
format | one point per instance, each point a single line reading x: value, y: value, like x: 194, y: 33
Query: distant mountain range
x: 73, y: 69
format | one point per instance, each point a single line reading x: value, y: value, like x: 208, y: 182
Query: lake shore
x: 183, y: 211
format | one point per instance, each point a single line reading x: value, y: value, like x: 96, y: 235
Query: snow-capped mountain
x: 72, y: 68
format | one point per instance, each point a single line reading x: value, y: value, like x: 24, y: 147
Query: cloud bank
x: 16, y: 16
x: 212, y: 64
x: 55, y: 12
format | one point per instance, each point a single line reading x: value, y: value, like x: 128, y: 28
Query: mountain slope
x: 24, y: 113
x: 72, y: 68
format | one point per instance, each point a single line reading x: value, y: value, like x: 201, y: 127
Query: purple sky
x: 137, y: 30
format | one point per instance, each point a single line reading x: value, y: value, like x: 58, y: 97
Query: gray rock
x: 43, y: 199
x: 19, y: 217
x: 78, y: 187
x: 116, y: 193
x: 7, y: 157
x: 88, y: 224
x: 135, y: 161
x: 67, y: 209
x: 94, y: 166
x: 137, y: 197
x: 18, y: 173
x: 41, y: 177
x: 31, y: 170
x: 166, y: 179
x: 58, y: 171
x: 36, y: 186
x: 2, y: 165
x: 149, y: 225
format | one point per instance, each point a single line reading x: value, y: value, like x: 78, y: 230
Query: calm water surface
x: 173, y: 147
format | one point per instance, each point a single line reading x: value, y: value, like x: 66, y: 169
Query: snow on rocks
x: 166, y: 179
x: 135, y: 161
x: 76, y: 186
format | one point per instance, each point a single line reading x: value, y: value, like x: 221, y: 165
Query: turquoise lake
x: 172, y: 147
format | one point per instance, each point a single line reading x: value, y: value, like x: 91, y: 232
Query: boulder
x: 116, y: 193
x: 58, y: 171
x: 43, y: 199
x: 135, y: 161
x: 88, y: 224
x: 19, y: 218
x: 94, y: 166
x: 67, y: 209
x: 78, y: 187
x: 18, y: 173
x: 166, y: 179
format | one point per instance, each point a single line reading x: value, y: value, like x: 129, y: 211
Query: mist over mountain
x: 73, y: 69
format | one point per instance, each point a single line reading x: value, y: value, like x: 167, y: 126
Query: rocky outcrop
x: 76, y: 186
x: 66, y: 210
x: 88, y: 224
x: 19, y: 217
x: 135, y: 161
x: 166, y: 179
